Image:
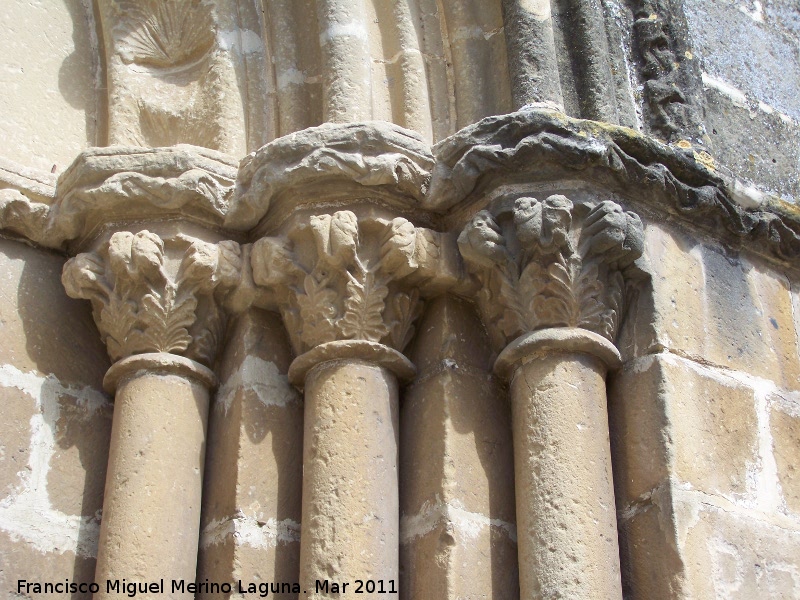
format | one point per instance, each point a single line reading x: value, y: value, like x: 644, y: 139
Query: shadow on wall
x: 81, y: 73
x: 61, y: 341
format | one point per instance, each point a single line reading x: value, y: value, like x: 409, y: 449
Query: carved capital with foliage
x: 149, y: 295
x: 339, y: 277
x: 550, y: 263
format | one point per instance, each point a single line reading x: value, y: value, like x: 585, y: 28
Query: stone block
x: 459, y: 447
x: 681, y: 544
x: 59, y: 94
x: 450, y: 333
x: 651, y: 562
x: 784, y: 424
x: 457, y: 556
x: 735, y: 556
x: 21, y: 560
x: 672, y: 418
x: 718, y: 307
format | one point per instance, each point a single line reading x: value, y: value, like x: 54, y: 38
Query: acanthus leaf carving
x: 341, y: 279
x: 140, y: 307
x: 551, y: 264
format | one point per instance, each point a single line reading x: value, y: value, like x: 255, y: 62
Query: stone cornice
x: 119, y: 184
x: 552, y: 264
x: 373, y: 155
x: 154, y: 296
x: 536, y: 146
x: 393, y: 168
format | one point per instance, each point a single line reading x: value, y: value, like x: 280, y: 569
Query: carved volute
x: 550, y: 263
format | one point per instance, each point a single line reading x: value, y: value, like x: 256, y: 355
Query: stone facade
x: 474, y: 299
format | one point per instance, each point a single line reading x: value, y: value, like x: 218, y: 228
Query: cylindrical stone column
x: 566, y: 515
x: 151, y: 508
x: 555, y: 277
x: 155, y: 302
x: 350, y: 526
x: 532, y: 58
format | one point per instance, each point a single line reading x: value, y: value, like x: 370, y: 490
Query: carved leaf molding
x: 139, y: 307
x: 539, y: 269
x: 351, y: 288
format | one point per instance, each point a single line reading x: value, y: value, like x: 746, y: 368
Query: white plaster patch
x: 757, y: 14
x: 27, y: 513
x: 728, y: 90
x: 289, y: 77
x: 241, y: 41
x: 250, y: 531
x: 468, y: 524
x: 642, y: 364
x: 338, y: 30
x: 747, y: 196
x: 539, y: 9
x: 262, y: 377
x: 726, y: 567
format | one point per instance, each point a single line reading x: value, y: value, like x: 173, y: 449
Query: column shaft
x: 566, y: 516
x: 151, y: 509
x: 531, y: 52
x: 350, y: 527
x: 344, y: 46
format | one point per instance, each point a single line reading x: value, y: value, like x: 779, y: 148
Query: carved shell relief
x: 164, y: 34
x: 552, y: 264
x: 341, y: 276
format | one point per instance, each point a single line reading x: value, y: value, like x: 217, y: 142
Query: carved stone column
x: 554, y: 281
x: 340, y: 286
x: 154, y: 304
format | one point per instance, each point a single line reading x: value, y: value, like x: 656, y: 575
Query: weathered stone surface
x: 550, y: 264
x: 705, y: 430
x: 455, y: 442
x: 54, y: 437
x: 674, y: 419
x: 40, y: 325
x: 19, y: 560
x: 535, y: 146
x: 754, y: 141
x: 350, y: 477
x: 459, y: 562
x: 173, y: 76
x: 115, y: 184
x: 373, y: 154
x: 142, y: 304
x: 736, y: 556
x: 155, y: 468
x: 686, y: 544
x: 720, y: 307
x: 337, y: 277
x: 567, y: 537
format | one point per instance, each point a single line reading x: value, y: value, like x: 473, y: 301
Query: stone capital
x: 551, y: 264
x: 154, y: 295
x: 339, y: 277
